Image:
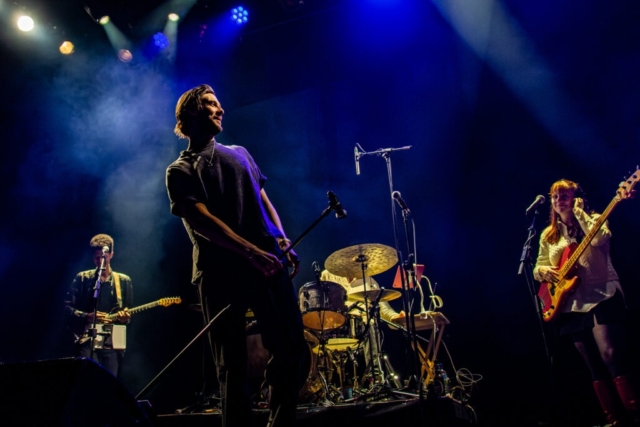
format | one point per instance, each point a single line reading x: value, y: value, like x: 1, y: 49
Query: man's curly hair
x: 101, y: 240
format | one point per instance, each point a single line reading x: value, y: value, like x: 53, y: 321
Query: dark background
x: 498, y: 99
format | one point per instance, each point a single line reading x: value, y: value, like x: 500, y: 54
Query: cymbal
x: 372, y: 295
x: 348, y: 262
x: 357, y: 284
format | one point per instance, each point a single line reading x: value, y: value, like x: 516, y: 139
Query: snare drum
x: 322, y: 305
x: 348, y: 336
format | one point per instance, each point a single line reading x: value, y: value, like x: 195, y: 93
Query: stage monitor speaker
x: 65, y: 393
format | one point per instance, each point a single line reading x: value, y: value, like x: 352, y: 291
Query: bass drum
x: 313, y: 390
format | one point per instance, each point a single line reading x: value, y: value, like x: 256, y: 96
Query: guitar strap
x: 116, y: 283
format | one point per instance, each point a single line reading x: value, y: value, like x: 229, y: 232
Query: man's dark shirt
x: 79, y: 299
x: 229, y: 185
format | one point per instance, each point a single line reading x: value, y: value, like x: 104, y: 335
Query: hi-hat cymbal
x: 348, y: 262
x: 372, y: 295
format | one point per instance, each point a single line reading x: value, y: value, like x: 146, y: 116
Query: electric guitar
x: 164, y: 302
x: 553, y: 294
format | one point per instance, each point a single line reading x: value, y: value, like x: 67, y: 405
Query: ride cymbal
x: 348, y: 262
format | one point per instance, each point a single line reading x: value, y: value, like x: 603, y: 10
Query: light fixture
x: 66, y: 48
x: 240, y: 15
x: 125, y: 55
x: 25, y: 23
x: 160, y: 40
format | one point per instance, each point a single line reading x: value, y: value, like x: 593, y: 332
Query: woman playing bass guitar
x: 591, y: 315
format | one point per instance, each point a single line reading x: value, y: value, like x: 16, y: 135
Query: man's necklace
x: 213, y: 150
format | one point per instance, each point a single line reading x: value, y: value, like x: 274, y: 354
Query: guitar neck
x: 135, y: 310
x: 573, y: 259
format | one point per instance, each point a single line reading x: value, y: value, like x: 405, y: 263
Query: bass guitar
x: 553, y: 294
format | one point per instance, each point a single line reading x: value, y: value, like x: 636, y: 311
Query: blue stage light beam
x: 496, y: 37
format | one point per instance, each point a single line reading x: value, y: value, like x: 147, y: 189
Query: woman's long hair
x: 563, y: 185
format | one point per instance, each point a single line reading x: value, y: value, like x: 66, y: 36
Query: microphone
x: 336, y: 206
x: 537, y: 202
x: 356, y: 155
x: 316, y: 268
x: 398, y: 198
x: 105, y: 250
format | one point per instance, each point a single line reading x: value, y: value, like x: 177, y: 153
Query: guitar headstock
x: 166, y: 302
x: 625, y: 190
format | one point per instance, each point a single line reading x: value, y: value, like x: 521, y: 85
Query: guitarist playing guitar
x: 116, y: 291
x: 581, y: 293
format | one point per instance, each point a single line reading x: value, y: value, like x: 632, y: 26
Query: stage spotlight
x: 160, y: 40
x: 25, y: 23
x: 173, y: 17
x: 104, y: 20
x: 240, y: 15
x: 66, y: 48
x: 125, y: 55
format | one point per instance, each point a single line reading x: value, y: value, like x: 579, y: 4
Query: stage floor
x: 438, y: 412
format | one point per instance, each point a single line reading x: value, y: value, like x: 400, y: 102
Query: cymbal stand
x: 375, y: 365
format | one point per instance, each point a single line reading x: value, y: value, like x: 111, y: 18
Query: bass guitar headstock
x: 626, y: 190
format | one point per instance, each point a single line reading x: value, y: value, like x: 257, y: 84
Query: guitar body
x: 113, y: 316
x: 553, y: 295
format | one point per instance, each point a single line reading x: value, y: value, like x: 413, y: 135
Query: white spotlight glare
x: 174, y: 17
x: 25, y: 23
x: 104, y: 20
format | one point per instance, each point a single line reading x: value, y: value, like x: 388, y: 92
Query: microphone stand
x: 414, y: 361
x: 526, y: 269
x: 93, y: 331
x: 332, y: 206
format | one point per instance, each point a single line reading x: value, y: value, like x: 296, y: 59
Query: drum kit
x: 346, y: 358
x: 342, y: 332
